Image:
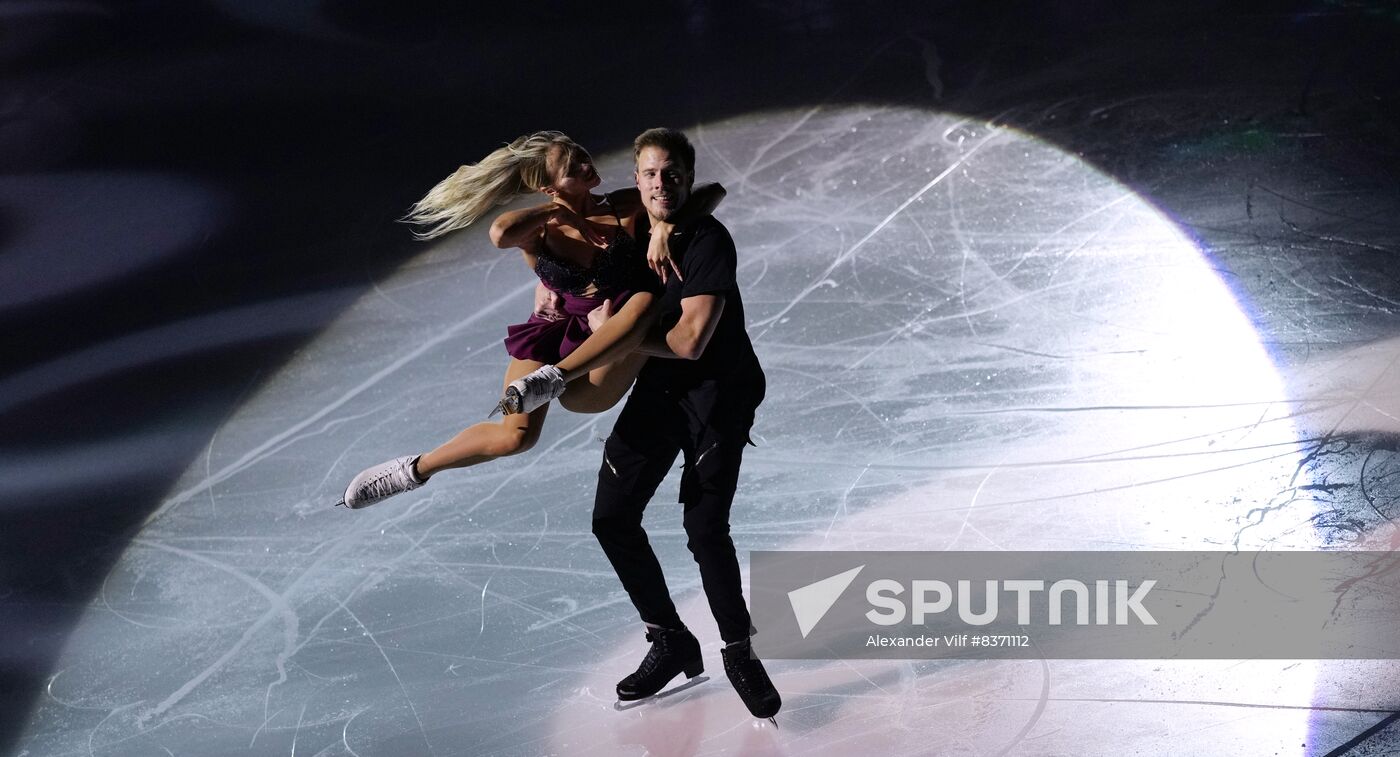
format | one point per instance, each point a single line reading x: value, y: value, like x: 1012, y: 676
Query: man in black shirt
x: 696, y: 397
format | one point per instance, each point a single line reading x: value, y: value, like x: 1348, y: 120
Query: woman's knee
x: 515, y: 440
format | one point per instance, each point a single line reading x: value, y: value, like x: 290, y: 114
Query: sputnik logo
x: 811, y: 602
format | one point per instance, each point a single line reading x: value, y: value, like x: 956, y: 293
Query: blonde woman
x: 584, y: 249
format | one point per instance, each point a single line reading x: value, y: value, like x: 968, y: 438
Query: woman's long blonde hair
x: 473, y: 190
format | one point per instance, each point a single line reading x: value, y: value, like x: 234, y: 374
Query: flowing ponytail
x: 473, y: 190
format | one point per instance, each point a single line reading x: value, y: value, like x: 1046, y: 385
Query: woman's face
x: 572, y: 169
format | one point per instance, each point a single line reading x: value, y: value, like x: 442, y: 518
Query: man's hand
x: 659, y: 252
x: 549, y: 305
x: 600, y: 315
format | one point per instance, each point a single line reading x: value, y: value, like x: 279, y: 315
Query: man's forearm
x: 680, y: 343
x: 622, y: 334
x: 687, y: 339
x: 655, y: 345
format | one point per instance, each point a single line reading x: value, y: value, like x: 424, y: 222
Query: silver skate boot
x: 380, y: 482
x: 531, y: 391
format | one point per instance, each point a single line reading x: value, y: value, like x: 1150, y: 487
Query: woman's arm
x: 523, y: 228
x: 702, y: 202
x: 704, y: 199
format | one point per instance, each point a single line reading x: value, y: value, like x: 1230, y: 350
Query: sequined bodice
x: 614, y: 268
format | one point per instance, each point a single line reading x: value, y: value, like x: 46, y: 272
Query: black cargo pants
x: 709, y: 425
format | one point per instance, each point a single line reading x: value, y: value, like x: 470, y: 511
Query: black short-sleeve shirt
x: 705, y: 253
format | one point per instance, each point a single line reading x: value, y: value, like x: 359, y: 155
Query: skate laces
x: 392, y: 480
x: 541, y: 383
x: 659, y: 647
x: 663, y: 643
x: 380, y: 485
x: 531, y: 391
x: 745, y: 671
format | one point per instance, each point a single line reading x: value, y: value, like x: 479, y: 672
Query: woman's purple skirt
x: 549, y: 341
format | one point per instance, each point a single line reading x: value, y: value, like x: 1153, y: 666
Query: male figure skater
x: 696, y: 396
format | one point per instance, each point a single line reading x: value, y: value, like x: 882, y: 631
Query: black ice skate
x: 673, y: 651
x: 746, y: 672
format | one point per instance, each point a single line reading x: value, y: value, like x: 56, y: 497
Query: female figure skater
x: 582, y: 247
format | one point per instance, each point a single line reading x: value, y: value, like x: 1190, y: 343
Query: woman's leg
x: 488, y: 440
x: 601, y: 388
x: 600, y: 371
x: 615, y: 340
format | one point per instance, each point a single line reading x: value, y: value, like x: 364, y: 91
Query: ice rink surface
x: 1007, y: 298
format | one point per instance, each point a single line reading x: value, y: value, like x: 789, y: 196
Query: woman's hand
x: 564, y: 216
x: 599, y: 316
x: 659, y: 252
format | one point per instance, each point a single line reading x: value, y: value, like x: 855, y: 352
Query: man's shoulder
x: 709, y: 232
x: 710, y: 224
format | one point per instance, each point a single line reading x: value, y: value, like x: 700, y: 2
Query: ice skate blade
x: 507, y: 406
x: 622, y: 706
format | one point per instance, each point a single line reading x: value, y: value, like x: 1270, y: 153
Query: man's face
x: 663, y: 181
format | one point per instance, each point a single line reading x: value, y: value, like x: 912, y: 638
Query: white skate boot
x: 531, y: 391
x: 380, y: 482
